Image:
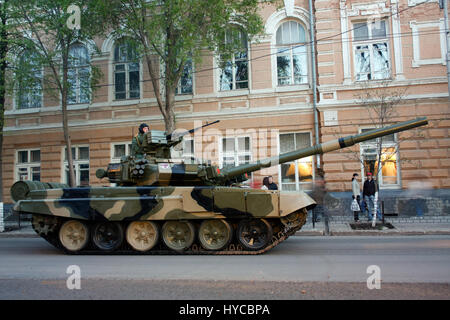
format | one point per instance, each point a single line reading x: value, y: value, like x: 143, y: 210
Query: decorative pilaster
x: 396, y: 30
x: 345, y: 42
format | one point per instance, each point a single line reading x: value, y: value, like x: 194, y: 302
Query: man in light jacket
x: 369, y: 189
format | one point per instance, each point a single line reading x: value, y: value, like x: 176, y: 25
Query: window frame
x: 16, y: 97
x: 127, y: 144
x: 236, y: 154
x: 26, y: 165
x: 126, y: 71
x: 191, y: 73
x: 77, y: 163
x: 370, y: 42
x: 290, y: 47
x: 185, y: 155
x: 78, y: 85
x: 233, y: 68
x: 298, y: 184
x: 386, y: 145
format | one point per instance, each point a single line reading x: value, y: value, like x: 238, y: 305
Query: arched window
x: 234, y: 73
x: 29, y: 79
x: 79, y: 74
x: 126, y: 70
x: 292, y: 56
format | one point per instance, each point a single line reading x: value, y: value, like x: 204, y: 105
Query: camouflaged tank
x: 163, y: 205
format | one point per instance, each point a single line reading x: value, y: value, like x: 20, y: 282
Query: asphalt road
x: 411, y: 267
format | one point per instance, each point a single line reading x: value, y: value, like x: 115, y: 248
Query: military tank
x: 162, y: 205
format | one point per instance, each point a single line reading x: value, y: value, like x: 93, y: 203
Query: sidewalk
x: 335, y: 228
x: 400, y: 228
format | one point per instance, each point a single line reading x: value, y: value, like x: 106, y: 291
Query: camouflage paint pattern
x: 162, y: 203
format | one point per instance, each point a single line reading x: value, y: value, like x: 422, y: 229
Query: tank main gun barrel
x: 328, y: 146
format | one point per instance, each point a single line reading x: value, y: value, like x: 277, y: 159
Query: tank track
x: 47, y: 228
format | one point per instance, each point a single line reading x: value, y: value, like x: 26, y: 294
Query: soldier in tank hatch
x: 138, y: 139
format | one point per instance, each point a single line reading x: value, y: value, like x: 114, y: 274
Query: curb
x: 394, y: 232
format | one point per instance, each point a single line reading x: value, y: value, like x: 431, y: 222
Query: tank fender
x: 293, y: 201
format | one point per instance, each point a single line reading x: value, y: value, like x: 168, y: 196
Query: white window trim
x: 379, y: 178
x: 412, y: 3
x: 78, y: 85
x: 28, y: 110
x: 415, y: 27
x: 300, y: 15
x: 127, y: 150
x: 298, y: 184
x: 178, y: 88
x: 236, y: 152
x: 76, y: 163
x: 370, y: 42
x: 127, y: 82
x: 108, y: 47
x: 192, y: 154
x: 27, y: 165
x: 232, y: 92
x: 274, y: 54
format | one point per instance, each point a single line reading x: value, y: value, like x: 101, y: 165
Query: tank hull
x: 274, y: 214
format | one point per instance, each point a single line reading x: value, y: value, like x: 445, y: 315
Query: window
x: 80, y: 156
x: 28, y: 165
x: 371, y: 51
x: 119, y: 150
x: 234, y: 72
x: 188, y: 149
x: 295, y: 174
x: 185, y: 83
x: 389, y: 175
x: 126, y: 70
x: 292, y: 66
x: 235, y: 151
x: 29, y: 91
x: 79, y: 74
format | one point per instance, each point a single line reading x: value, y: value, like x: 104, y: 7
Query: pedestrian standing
x: 272, y: 185
x: 318, y: 194
x: 356, y: 190
x: 369, y: 189
x: 265, y: 183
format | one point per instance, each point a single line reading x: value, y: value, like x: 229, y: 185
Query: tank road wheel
x: 107, y: 236
x: 178, y: 235
x: 74, y: 235
x: 215, y: 234
x: 254, y: 234
x: 142, y: 235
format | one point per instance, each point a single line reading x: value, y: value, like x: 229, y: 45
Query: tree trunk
x: 72, y: 181
x: 3, y: 52
x: 170, y: 104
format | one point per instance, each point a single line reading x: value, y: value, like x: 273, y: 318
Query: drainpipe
x: 314, y: 78
x: 316, y: 113
x: 447, y: 54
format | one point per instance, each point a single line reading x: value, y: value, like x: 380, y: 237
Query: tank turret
x: 157, y: 168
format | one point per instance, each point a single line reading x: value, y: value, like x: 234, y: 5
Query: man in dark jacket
x: 272, y: 185
x: 369, y: 189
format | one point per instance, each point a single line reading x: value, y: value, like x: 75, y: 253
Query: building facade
x: 264, y: 99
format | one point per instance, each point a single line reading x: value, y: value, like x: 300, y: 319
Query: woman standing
x: 265, y: 182
x: 356, y: 189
